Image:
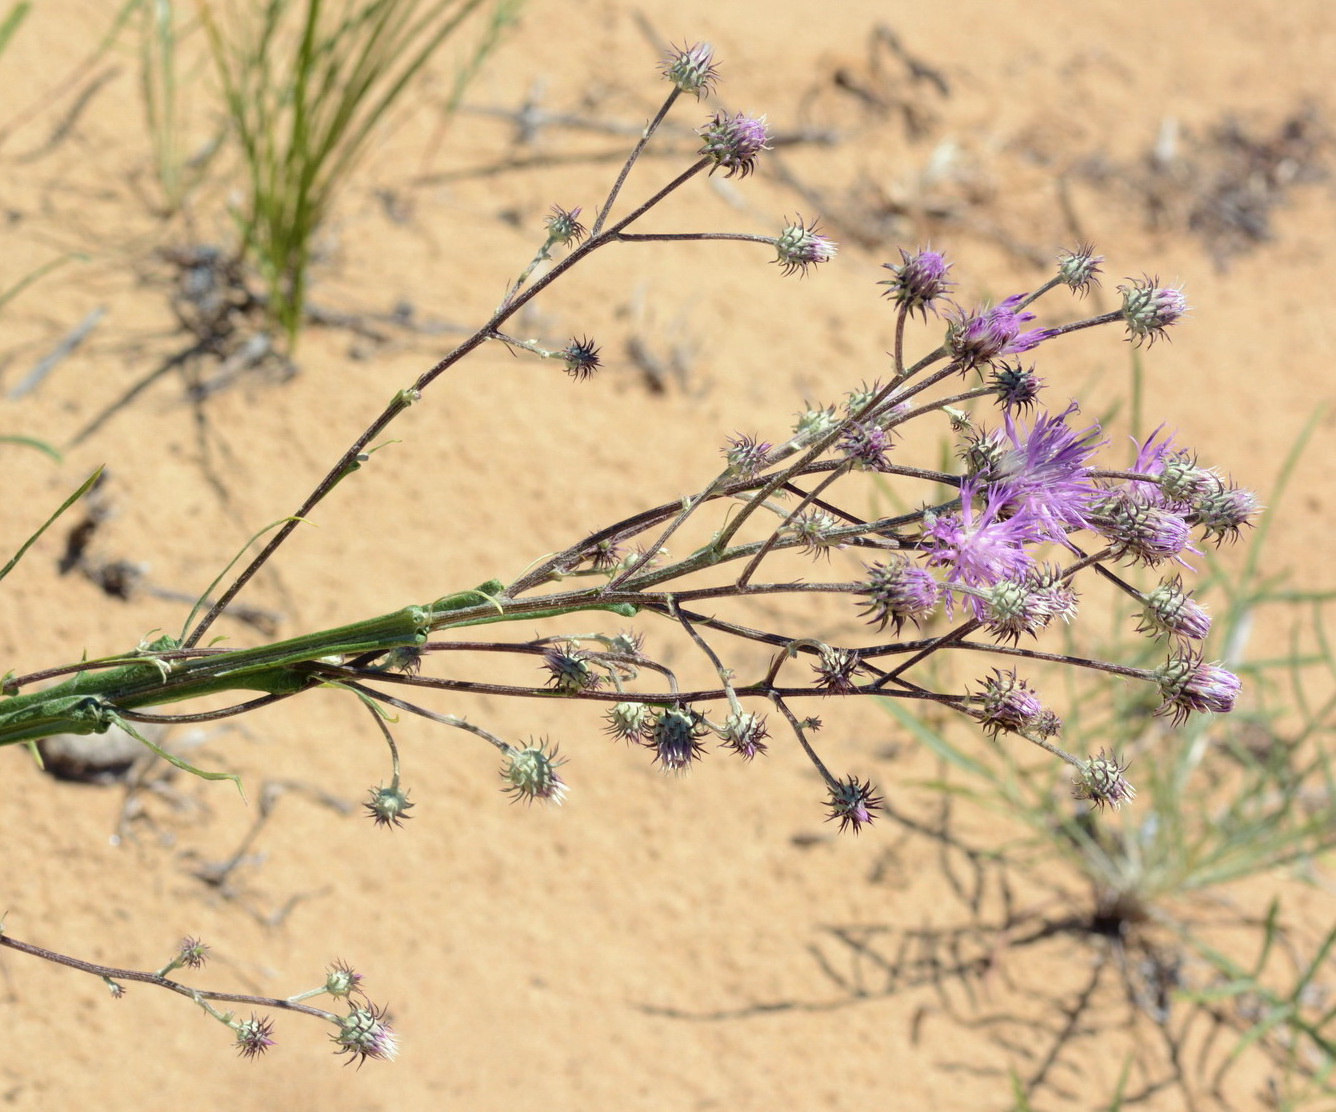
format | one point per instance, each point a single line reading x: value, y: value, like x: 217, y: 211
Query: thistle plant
x: 988, y: 555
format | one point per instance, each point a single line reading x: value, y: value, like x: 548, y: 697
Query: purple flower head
x: 1045, y: 471
x: 1149, y: 309
x: 920, y: 281
x: 980, y: 546
x: 1189, y: 684
x: 691, y: 69
x: 987, y: 334
x: 800, y: 246
x: 734, y: 143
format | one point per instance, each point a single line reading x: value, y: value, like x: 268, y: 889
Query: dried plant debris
x: 1225, y: 185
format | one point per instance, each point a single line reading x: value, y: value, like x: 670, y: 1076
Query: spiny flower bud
x: 800, y: 247
x: 1008, y: 704
x: 1079, y: 268
x: 568, y: 670
x: 746, y: 455
x: 192, y: 954
x: 580, y: 357
x: 1101, y: 781
x: 1027, y: 603
x: 865, y: 444
x: 1016, y: 388
x: 341, y: 982
x: 388, y: 806
x: 814, y: 423
x: 564, y: 227
x: 253, y: 1036
x: 920, y: 281
x: 813, y: 531
x: 853, y: 802
x: 1139, y: 531
x: 1223, y: 510
x: 898, y: 592
x: 531, y: 773
x: 691, y: 69
x: 675, y: 738
x: 836, y: 668
x: 363, y: 1033
x: 1188, y: 684
x: 1149, y: 309
x: 743, y: 732
x: 734, y: 143
x: 1170, y: 609
x: 629, y: 721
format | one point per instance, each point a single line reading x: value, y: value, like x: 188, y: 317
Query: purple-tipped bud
x: 836, y: 668
x: 389, y: 806
x: 569, y: 671
x: 253, y: 1036
x: 898, y: 592
x: 815, y: 532
x: 920, y: 282
x: 1171, y: 610
x: 363, y: 1033
x: 814, y: 423
x: 341, y: 981
x: 675, y: 738
x: 192, y: 954
x: 581, y: 358
x: 629, y: 722
x: 691, y: 69
x: 743, y: 733
x: 1027, y: 603
x: 1101, y: 781
x: 853, y: 802
x: 746, y: 455
x: 1222, y: 510
x: 975, y: 339
x: 564, y: 227
x: 1016, y: 388
x: 1080, y: 268
x: 531, y: 773
x: 1008, y: 704
x: 1188, y: 684
x: 734, y: 144
x: 800, y: 247
x: 1139, y: 531
x: 865, y: 444
x: 1149, y: 309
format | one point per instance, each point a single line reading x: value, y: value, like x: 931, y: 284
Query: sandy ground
x: 661, y: 943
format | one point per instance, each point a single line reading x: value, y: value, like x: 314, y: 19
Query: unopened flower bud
x: 1149, y: 309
